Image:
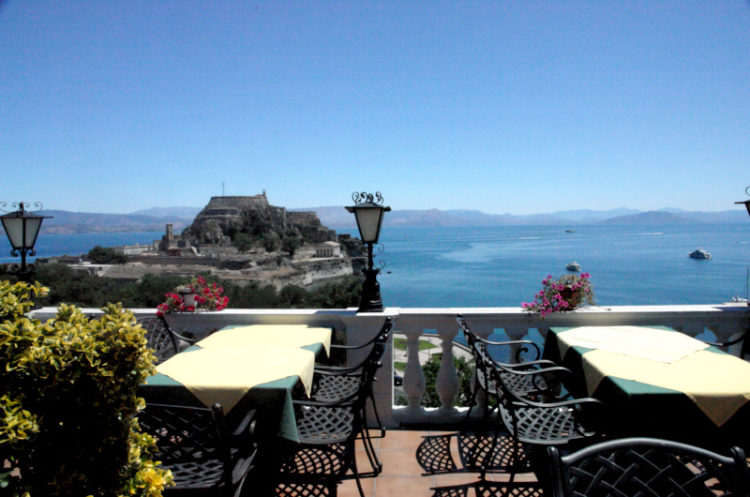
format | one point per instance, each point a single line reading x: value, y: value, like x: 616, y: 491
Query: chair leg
x: 377, y: 466
x: 352, y: 448
x: 377, y: 416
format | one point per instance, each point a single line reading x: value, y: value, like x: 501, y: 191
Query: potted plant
x: 562, y: 294
x: 199, y: 295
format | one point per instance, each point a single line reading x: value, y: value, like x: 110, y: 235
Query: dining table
x: 655, y: 381
x: 244, y: 367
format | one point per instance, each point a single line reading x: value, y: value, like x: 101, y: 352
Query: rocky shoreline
x: 210, y: 245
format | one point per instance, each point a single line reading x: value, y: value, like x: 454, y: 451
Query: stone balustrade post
x: 414, y: 381
x: 447, y: 384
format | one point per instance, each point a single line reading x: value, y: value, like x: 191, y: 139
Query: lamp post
x: 746, y: 202
x: 22, y: 229
x: 747, y: 206
x: 368, y: 210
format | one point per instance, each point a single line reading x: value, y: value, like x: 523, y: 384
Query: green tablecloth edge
x: 263, y: 396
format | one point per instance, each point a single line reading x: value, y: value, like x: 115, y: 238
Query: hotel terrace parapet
x: 724, y: 321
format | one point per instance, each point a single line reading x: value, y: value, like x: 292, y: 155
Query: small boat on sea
x: 700, y: 254
x: 573, y: 266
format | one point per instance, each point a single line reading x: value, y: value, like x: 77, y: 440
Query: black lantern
x: 368, y: 209
x: 746, y: 202
x: 747, y: 206
x: 22, y: 228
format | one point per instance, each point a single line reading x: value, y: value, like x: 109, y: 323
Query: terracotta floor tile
x: 401, y: 439
x: 456, y: 479
x: 349, y: 488
x: 403, y: 476
x: 404, y: 486
x: 400, y: 463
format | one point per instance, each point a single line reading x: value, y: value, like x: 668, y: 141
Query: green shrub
x: 243, y: 242
x: 106, y: 255
x: 290, y: 244
x: 68, y: 402
x: 271, y: 242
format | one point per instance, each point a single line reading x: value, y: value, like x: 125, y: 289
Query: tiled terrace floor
x: 404, y: 476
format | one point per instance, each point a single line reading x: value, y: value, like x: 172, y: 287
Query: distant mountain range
x: 85, y: 222
x: 338, y: 217
x: 154, y: 219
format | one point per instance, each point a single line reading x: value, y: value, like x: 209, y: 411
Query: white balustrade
x: 725, y: 321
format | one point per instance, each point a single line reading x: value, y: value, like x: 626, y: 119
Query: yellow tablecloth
x: 636, y: 341
x: 718, y: 383
x: 226, y: 374
x: 290, y: 335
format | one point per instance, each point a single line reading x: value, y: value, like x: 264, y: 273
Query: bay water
x: 504, y: 266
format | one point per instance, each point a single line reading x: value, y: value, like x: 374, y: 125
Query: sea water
x: 504, y: 266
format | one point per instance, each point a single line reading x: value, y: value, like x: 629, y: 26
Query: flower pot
x: 188, y: 296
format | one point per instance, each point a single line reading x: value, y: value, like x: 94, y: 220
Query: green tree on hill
x: 243, y: 242
x: 290, y: 244
x: 106, y: 255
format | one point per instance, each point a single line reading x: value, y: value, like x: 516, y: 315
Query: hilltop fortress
x: 224, y: 217
x: 245, y: 238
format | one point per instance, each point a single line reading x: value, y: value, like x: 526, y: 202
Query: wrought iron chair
x: 743, y: 338
x: 546, y: 418
x: 161, y: 338
x: 195, y: 444
x: 647, y: 466
x: 332, y: 382
x: 535, y: 375
x: 327, y: 434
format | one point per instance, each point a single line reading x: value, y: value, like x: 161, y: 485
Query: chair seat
x: 329, y: 388
x: 325, y: 425
x: 202, y: 474
x: 543, y: 426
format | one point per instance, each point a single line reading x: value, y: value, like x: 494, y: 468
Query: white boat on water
x: 700, y: 254
x: 573, y: 266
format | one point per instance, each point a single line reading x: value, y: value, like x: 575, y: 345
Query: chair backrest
x: 159, y: 337
x: 191, y: 441
x: 477, y: 351
x: 647, y: 466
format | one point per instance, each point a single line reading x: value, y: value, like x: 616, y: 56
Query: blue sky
x: 519, y: 106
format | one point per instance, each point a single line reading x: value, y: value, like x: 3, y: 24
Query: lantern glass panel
x: 368, y: 222
x: 13, y: 226
x: 33, y: 224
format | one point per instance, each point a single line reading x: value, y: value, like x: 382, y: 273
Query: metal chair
x: 327, y: 434
x: 159, y: 337
x: 745, y: 350
x: 162, y: 339
x: 538, y: 375
x: 647, y: 466
x: 195, y: 444
x: 549, y: 417
x: 332, y: 382
x: 336, y: 382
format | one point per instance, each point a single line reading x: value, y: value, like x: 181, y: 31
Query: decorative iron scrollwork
x: 19, y: 206
x: 369, y: 198
x: 747, y: 191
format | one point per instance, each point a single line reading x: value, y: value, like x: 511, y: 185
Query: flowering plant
x: 198, y: 295
x: 563, y: 294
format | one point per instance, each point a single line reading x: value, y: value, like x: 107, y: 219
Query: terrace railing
x: 721, y: 322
